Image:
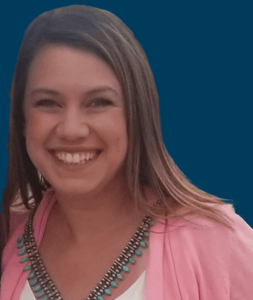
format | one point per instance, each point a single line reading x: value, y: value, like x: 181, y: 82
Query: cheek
x: 37, y: 125
x: 113, y: 128
x: 33, y: 132
x: 36, y: 132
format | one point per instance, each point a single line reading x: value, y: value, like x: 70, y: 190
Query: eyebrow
x: 90, y: 92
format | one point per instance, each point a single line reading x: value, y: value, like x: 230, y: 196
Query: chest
x: 77, y: 270
x: 77, y: 273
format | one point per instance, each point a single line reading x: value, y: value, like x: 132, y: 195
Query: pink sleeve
x: 241, y: 261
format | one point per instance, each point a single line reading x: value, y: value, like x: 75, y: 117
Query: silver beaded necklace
x: 42, y: 285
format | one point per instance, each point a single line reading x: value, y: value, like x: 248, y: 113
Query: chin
x: 75, y: 189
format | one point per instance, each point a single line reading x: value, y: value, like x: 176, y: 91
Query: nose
x: 72, y: 125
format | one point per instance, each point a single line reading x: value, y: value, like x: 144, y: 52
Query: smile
x: 77, y: 157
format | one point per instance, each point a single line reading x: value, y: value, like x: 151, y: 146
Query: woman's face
x: 75, y: 126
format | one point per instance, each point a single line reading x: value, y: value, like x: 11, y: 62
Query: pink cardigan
x: 185, y: 261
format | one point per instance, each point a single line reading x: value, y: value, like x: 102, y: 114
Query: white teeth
x: 75, y: 158
x: 69, y: 158
x: 63, y: 155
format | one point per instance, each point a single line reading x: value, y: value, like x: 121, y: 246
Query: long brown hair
x: 148, y: 163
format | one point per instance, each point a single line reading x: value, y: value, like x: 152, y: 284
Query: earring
x: 42, y: 180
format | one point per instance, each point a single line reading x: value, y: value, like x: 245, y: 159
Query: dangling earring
x: 42, y: 180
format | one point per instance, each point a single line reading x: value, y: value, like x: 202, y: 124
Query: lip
x: 73, y: 150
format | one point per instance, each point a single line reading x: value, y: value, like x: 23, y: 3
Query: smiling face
x: 75, y: 126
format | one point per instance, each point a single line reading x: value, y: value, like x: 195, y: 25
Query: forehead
x: 62, y: 65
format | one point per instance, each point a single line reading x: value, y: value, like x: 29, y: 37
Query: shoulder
x: 205, y: 233
x: 1, y: 238
x: 211, y: 252
x: 18, y: 217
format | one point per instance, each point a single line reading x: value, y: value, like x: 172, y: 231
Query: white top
x: 135, y: 292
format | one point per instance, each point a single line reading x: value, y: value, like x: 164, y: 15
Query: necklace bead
x: 34, y: 282
x: 114, y: 284
x: 131, y: 260
x: 20, y: 239
x: 41, y: 294
x: 143, y: 244
x: 27, y: 268
x: 138, y: 252
x: 146, y: 233
x: 20, y: 245
x: 125, y: 268
x: 21, y: 252
x: 23, y: 259
x: 107, y: 292
x: 37, y: 288
x: 121, y: 277
x: 31, y: 275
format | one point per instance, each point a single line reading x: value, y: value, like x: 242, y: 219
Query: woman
x: 100, y: 207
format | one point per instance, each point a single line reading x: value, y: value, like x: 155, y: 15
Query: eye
x: 46, y: 103
x: 101, y: 103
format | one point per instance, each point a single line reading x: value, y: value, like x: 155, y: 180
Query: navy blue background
x: 201, y: 54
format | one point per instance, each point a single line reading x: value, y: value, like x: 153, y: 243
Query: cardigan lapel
x: 161, y: 279
x: 154, y: 269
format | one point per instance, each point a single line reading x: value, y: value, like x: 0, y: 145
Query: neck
x: 83, y: 217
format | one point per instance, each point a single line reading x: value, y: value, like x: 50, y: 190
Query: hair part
x: 148, y: 163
